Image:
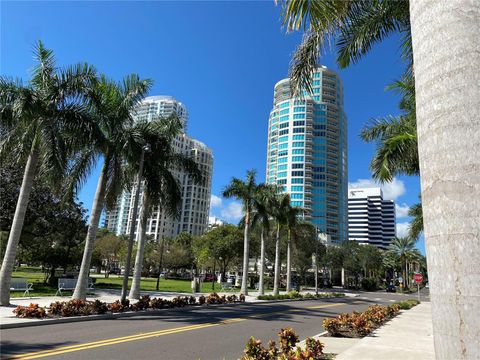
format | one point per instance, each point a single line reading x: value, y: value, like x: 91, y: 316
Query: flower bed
x: 83, y: 308
x: 360, y: 324
x: 286, y: 350
x: 297, y: 295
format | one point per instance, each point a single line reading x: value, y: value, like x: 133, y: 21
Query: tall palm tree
x: 354, y: 27
x: 416, y: 226
x: 446, y: 51
x: 38, y: 121
x: 262, y: 215
x: 245, y: 192
x: 160, y: 186
x: 280, y: 207
x: 292, y: 220
x: 113, y: 106
x: 402, y: 248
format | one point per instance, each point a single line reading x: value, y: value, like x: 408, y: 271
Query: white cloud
x: 391, y: 190
x: 215, y: 201
x: 232, y: 212
x: 401, y: 211
x: 402, y: 229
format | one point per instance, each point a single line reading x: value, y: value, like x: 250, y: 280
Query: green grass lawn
x: 113, y: 282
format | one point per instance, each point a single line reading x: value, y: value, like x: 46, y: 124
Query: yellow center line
x: 147, y: 335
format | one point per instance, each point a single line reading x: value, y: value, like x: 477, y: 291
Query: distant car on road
x: 391, y: 288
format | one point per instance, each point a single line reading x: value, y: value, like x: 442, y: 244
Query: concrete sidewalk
x: 409, y: 336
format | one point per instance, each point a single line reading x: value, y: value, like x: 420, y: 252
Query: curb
x: 72, y: 319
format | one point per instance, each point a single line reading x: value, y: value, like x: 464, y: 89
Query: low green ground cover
x: 36, y: 276
x: 297, y: 295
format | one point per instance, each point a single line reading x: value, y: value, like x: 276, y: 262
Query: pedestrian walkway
x: 409, y: 336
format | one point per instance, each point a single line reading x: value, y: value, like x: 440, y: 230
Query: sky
x: 221, y: 59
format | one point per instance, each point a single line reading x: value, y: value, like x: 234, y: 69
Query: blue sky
x: 221, y: 59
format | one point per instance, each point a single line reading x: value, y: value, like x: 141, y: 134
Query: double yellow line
x: 147, y: 335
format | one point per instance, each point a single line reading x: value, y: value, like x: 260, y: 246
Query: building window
x: 297, y: 181
x: 297, y: 173
x: 298, y: 144
x: 283, y: 132
x: 297, y: 166
x: 298, y: 130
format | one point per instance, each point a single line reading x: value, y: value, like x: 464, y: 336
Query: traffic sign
x: 418, y: 278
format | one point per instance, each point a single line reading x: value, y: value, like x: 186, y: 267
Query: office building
x: 371, y: 219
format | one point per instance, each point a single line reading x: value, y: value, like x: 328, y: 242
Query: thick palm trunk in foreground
x: 289, y: 261
x: 446, y: 47
x: 82, y: 282
x: 261, y: 286
x: 16, y: 229
x: 276, y: 280
x: 244, y: 289
x: 142, y: 230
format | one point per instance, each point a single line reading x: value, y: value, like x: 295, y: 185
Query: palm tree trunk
x: 261, y: 286
x: 244, y: 289
x: 289, y: 261
x: 276, y: 284
x: 131, y: 237
x: 17, y: 225
x: 446, y: 47
x: 142, y: 229
x: 98, y: 201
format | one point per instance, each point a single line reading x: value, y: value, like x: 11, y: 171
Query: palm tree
x: 113, y: 135
x: 446, y: 53
x: 292, y: 217
x: 280, y: 207
x: 416, y: 226
x: 38, y: 122
x: 402, y: 248
x: 262, y: 215
x: 161, y: 186
x: 357, y: 26
x: 245, y: 192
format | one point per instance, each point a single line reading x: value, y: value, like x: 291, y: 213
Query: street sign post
x: 418, y: 279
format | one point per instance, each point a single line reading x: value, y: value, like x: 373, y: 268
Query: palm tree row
x: 263, y: 205
x: 62, y: 123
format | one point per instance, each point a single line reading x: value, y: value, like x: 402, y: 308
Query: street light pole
x: 133, y: 224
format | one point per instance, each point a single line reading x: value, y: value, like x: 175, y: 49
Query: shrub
x: 242, y: 298
x: 117, y: 306
x: 192, y: 300
x: 98, y: 307
x: 180, y: 301
x: 408, y: 304
x: 359, y: 324
x: 369, y: 284
x: 201, y: 300
x: 30, y: 311
x: 287, y: 350
x: 55, y: 308
x: 142, y: 304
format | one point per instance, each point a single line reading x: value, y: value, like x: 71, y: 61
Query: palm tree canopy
x: 160, y: 161
x: 111, y: 134
x: 46, y: 114
x: 402, y: 247
x: 416, y: 226
x: 262, y: 205
x: 353, y: 26
x: 243, y: 190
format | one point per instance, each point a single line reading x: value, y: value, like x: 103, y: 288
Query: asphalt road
x: 205, y: 333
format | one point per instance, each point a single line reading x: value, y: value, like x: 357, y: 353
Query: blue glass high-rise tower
x: 307, y: 151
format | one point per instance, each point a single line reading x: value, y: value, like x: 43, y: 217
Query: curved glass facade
x: 307, y: 151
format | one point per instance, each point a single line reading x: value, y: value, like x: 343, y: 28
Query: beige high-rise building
x: 195, y: 197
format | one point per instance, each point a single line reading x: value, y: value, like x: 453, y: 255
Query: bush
x: 297, y: 295
x: 369, y: 284
x: 142, y: 304
x: 360, y: 324
x: 30, y: 311
x: 287, y: 350
x: 118, y: 306
x: 408, y: 304
x: 202, y: 299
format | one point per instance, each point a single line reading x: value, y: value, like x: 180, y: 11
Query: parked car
x: 210, y: 277
x: 231, y: 279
